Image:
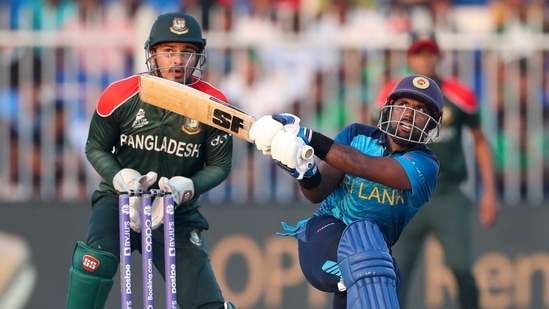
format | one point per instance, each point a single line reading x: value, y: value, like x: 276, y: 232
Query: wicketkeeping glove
x: 182, y: 190
x: 129, y: 179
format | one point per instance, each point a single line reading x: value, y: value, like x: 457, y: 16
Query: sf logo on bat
x: 227, y: 121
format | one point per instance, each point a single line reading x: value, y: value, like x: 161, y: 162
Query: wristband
x: 321, y: 144
x: 311, y: 182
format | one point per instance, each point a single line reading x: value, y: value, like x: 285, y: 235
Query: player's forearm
x: 313, y: 195
x: 384, y: 170
x: 486, y: 166
x: 318, y: 193
x: 318, y: 187
x: 103, y: 162
x: 102, y: 137
x: 210, y: 177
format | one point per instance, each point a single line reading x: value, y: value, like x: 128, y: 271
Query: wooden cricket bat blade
x: 195, y: 104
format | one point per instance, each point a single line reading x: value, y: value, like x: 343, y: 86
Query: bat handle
x: 307, y: 152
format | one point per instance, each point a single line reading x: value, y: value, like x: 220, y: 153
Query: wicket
x: 144, y: 197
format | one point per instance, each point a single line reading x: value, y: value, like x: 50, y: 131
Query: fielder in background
x: 447, y: 215
x: 370, y: 183
x: 131, y: 144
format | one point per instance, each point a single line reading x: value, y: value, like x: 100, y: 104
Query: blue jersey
x: 357, y: 198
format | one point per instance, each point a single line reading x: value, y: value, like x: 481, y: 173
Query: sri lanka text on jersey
x: 368, y: 190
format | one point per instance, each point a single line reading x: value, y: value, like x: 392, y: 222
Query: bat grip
x: 307, y: 152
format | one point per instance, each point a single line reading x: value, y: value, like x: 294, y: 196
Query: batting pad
x: 367, y: 267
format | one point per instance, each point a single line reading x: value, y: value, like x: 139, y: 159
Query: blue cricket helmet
x: 421, y: 88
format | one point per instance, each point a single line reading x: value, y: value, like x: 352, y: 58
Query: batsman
x: 137, y: 146
x: 369, y: 182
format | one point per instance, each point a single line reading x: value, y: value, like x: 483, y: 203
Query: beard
x: 408, y: 140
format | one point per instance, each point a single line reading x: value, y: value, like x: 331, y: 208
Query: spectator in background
x: 40, y: 159
x: 335, y: 100
x: 337, y: 93
x: 45, y: 15
x: 22, y: 112
x: 204, y: 10
x: 102, y: 43
x: 344, y: 20
x: 162, y: 6
x: 101, y: 60
x: 50, y: 14
x: 519, y: 15
x: 272, y: 28
x: 518, y: 23
x: 250, y: 81
x: 419, y: 15
x: 249, y: 87
x: 138, y: 15
x: 447, y: 214
x: 522, y: 144
x: 256, y: 23
x: 200, y: 8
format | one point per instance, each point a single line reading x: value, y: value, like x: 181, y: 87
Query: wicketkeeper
x: 134, y: 145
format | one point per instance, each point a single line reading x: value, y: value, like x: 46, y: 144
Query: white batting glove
x: 129, y: 179
x: 292, y: 153
x: 289, y: 121
x: 262, y: 132
x: 182, y: 190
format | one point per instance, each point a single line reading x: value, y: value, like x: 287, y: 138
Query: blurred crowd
x: 321, y: 59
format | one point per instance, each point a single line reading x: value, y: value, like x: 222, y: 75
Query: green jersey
x: 460, y: 111
x: 125, y: 132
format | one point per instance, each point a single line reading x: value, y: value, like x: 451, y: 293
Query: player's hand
x: 182, y: 190
x: 291, y: 123
x: 262, y: 132
x: 488, y: 209
x: 129, y: 179
x: 287, y: 120
x: 266, y: 127
x: 292, y: 154
x: 302, y: 171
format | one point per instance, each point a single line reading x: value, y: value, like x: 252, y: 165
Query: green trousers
x: 447, y: 217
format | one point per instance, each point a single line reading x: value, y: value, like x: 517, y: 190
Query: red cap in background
x: 423, y: 41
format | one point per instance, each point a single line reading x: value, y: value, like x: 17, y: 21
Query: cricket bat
x: 200, y: 106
